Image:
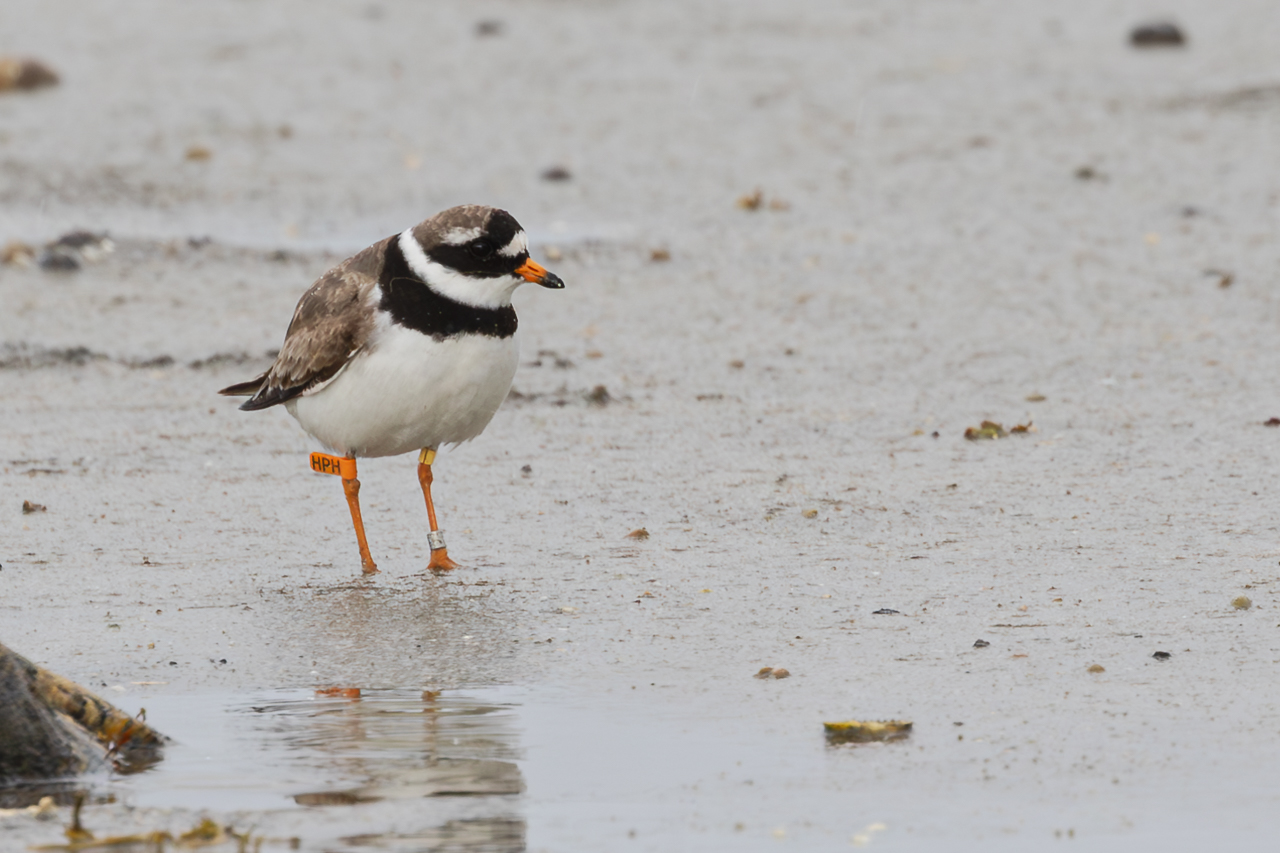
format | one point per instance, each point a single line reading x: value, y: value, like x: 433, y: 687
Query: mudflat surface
x: 968, y: 212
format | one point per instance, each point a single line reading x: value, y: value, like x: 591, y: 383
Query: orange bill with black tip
x: 535, y: 272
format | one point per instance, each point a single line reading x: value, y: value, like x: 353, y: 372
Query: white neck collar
x: 476, y: 292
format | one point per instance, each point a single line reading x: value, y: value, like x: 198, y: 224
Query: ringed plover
x: 407, y: 345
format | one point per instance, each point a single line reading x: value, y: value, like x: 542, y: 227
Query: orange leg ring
x: 351, y: 487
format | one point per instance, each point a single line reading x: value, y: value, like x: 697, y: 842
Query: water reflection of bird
x: 407, y: 345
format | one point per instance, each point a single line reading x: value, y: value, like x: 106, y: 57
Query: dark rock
x: 51, y: 728
x: 1157, y: 34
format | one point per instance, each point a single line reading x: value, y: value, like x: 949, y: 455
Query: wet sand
x: 963, y: 207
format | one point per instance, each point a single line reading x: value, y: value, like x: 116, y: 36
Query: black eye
x: 481, y: 248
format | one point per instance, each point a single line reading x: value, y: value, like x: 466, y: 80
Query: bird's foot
x: 368, y: 566
x: 440, y: 561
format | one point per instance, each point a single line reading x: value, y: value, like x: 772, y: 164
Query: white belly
x: 407, y: 391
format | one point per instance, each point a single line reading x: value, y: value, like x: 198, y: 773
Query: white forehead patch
x: 461, y: 236
x: 518, y: 245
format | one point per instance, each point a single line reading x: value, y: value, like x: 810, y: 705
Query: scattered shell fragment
x: 988, y: 430
x: 1096, y: 668
x: 46, y: 809
x: 340, y: 692
x: 198, y: 154
x: 862, y: 839
x: 858, y: 731
x: 18, y: 254
x: 204, y: 833
x: 1035, y: 398
x: 772, y: 672
x: 980, y: 644
x: 1225, y: 278
x: 638, y: 533
x: 25, y: 74
x: 556, y: 173
x: 886, y: 611
x: 599, y: 396
x: 75, y: 248
x: 1161, y: 655
x: 28, y: 507
x: 1240, y: 602
x: 751, y: 201
x: 1157, y: 34
x: 810, y: 513
x: 660, y: 255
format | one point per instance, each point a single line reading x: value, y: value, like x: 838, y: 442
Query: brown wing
x: 330, y: 325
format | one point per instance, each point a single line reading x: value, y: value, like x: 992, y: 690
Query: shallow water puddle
x: 495, y: 769
x: 541, y: 769
x: 352, y: 765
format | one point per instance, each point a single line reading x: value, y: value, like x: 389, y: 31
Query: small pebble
x: 980, y: 644
x: 1096, y: 668
x: 28, y: 507
x: 638, y: 533
x: 59, y: 260
x: 25, y: 74
x: 556, y: 173
x: 1157, y: 34
x: 1240, y: 602
x: 1162, y: 655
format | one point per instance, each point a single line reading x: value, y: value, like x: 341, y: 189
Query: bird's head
x: 473, y: 254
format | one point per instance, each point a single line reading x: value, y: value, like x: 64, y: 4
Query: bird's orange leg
x: 439, y: 554
x: 351, y: 487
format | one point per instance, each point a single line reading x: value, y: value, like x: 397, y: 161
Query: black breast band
x: 416, y: 306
